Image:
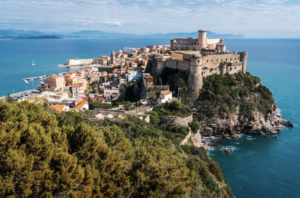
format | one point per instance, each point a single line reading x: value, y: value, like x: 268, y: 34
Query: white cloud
x: 260, y: 18
x: 111, y: 23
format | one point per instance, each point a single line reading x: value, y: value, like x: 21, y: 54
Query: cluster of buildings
x: 104, y: 79
x: 153, y: 49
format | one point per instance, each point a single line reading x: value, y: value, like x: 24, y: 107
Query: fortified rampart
x: 199, y: 65
x: 176, y: 121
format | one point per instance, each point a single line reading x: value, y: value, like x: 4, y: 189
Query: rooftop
x: 80, y: 104
x: 77, y: 84
x: 55, y: 76
x: 166, y: 92
x: 58, y: 108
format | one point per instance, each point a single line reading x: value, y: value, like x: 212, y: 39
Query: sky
x: 252, y: 18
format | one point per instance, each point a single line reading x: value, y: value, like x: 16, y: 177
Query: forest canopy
x: 49, y: 154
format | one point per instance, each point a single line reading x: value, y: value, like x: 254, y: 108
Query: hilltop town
x: 131, y: 81
x: 156, y: 99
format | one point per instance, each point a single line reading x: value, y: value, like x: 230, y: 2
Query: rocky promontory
x: 233, y: 104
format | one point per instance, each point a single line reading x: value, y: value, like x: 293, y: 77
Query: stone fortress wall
x: 176, y: 121
x: 210, y: 57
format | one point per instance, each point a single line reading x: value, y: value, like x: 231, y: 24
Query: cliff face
x: 229, y: 105
x: 256, y: 123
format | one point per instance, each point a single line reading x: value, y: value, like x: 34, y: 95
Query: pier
x: 35, y: 78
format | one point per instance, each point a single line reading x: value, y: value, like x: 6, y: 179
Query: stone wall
x: 176, y: 121
x: 178, y: 64
x: 214, y: 61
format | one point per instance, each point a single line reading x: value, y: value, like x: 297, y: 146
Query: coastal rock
x: 227, y: 151
x: 288, y: 123
x: 255, y: 124
x: 275, y: 136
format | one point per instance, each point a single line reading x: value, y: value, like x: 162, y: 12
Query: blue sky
x: 252, y: 18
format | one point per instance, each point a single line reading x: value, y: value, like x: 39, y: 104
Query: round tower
x: 243, y: 58
x: 202, y: 39
x: 112, y: 57
x: 195, y: 79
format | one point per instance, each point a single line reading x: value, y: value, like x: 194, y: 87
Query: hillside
x: 21, y: 34
x: 45, y: 154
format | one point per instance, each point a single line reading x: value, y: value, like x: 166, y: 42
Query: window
x: 217, y: 60
x: 207, y: 61
x: 226, y: 59
x: 212, y: 60
x: 231, y: 59
x: 198, y: 61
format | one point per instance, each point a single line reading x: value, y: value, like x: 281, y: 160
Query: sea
x: 257, y: 167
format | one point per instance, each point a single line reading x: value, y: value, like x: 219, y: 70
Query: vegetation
x: 49, y: 154
x: 154, y: 119
x: 194, y: 126
x: 98, y: 104
x: 8, y: 98
x: 227, y: 92
x: 175, y: 78
x: 174, y: 108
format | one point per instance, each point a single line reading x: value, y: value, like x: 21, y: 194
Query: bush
x: 174, y: 108
x: 194, y: 126
x: 98, y: 104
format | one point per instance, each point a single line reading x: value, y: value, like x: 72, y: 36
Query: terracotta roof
x: 58, y: 108
x: 70, y: 74
x: 85, y: 98
x: 77, y: 85
x: 122, y: 106
x: 80, y: 104
x: 55, y: 76
x: 166, y: 92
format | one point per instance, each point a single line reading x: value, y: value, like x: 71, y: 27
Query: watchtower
x: 195, y: 79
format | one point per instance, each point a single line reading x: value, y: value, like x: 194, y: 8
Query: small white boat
x: 26, y: 81
x: 33, y: 63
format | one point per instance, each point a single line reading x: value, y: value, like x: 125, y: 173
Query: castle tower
x: 112, y: 57
x: 202, y: 39
x: 195, y: 79
x: 243, y: 58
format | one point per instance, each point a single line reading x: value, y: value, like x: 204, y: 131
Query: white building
x: 165, y: 96
x: 82, y: 105
x: 129, y: 50
x: 77, y: 90
x: 110, y: 92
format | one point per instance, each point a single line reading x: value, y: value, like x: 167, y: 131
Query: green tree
x: 194, y: 126
x: 154, y: 119
x: 98, y: 104
x: 8, y: 98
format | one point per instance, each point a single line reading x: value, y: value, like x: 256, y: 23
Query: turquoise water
x: 261, y: 167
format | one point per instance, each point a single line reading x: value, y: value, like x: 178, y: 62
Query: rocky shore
x: 254, y: 124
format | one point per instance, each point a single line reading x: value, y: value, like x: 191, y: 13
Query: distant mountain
x: 195, y: 35
x: 100, y: 34
x: 21, y: 34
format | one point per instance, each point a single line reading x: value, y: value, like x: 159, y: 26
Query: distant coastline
x: 87, y: 34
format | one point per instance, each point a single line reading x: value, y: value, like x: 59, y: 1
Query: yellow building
x: 55, y: 82
x: 84, y: 83
x: 72, y: 80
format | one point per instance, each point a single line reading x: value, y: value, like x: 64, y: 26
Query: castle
x: 200, y: 58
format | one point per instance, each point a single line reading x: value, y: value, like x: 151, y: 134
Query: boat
x: 33, y: 63
x: 26, y: 81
